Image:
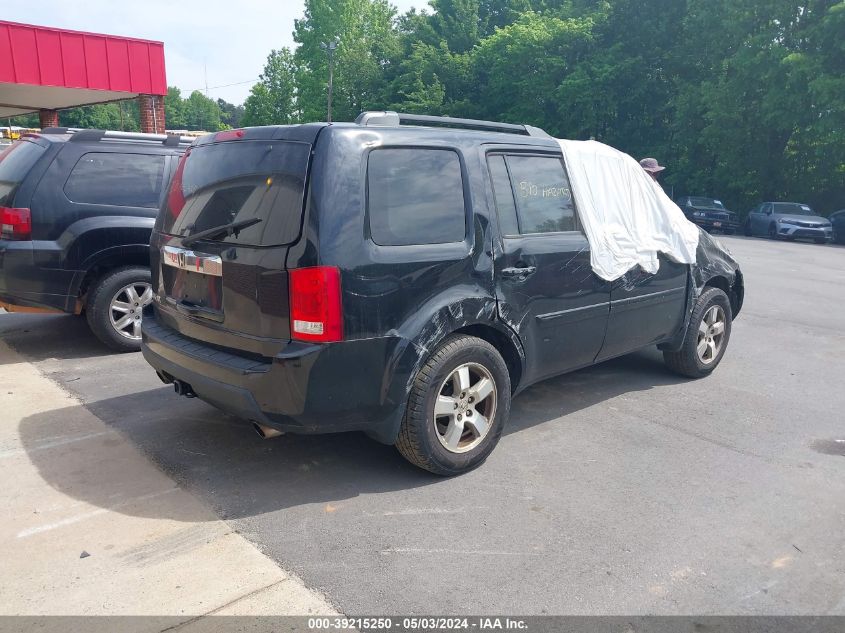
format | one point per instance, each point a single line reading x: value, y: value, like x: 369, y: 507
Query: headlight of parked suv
x: 789, y: 222
x: 698, y: 214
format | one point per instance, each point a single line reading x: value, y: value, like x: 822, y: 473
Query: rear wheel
x: 707, y: 336
x: 457, y: 408
x: 746, y: 229
x: 114, y: 307
x: 819, y: 240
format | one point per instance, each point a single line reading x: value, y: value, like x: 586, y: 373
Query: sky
x: 202, y: 39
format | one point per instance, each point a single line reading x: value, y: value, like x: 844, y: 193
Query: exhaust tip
x: 266, y: 432
x: 183, y: 389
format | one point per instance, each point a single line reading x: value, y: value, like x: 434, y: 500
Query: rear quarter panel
x: 413, y: 296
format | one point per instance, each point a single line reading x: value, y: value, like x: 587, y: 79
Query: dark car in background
x: 837, y: 221
x: 77, y: 208
x: 788, y: 221
x: 403, y: 280
x: 710, y: 214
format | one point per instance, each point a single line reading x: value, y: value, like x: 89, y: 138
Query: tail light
x: 15, y: 224
x: 175, y: 197
x: 316, y: 312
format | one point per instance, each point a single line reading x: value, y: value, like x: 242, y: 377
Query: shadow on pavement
x: 223, y: 461
x: 217, y: 457
x: 44, y: 336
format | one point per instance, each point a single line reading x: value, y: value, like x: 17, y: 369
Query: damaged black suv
x: 397, y: 275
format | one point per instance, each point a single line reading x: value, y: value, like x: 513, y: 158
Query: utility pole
x: 330, y: 48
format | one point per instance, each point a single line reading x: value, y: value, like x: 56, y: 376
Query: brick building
x: 45, y: 70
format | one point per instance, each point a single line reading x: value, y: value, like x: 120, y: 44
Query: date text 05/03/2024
x: 417, y: 623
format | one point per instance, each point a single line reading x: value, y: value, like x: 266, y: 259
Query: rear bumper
x: 304, y: 389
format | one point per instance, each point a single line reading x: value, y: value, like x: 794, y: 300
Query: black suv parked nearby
x: 401, y: 280
x: 77, y: 208
x: 709, y: 213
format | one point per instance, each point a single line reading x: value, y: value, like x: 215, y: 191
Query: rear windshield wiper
x: 216, y: 232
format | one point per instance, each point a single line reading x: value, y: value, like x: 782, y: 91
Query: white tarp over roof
x: 627, y: 216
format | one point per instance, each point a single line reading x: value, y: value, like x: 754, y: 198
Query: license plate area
x: 717, y: 224
x: 193, y: 289
x: 193, y: 282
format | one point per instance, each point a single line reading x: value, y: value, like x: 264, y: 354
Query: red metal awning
x: 47, y: 68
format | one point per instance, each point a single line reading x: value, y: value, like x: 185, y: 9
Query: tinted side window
x: 543, y: 197
x: 415, y: 196
x: 15, y: 162
x: 123, y: 180
x: 505, y: 205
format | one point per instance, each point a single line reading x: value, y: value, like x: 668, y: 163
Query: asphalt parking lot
x: 621, y: 489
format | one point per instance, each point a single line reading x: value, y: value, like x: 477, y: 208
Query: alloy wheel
x: 465, y: 408
x: 711, y: 334
x: 126, y: 307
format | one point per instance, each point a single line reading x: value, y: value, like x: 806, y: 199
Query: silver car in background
x: 789, y: 221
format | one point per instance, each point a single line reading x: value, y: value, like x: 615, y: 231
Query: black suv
x: 77, y: 208
x: 400, y: 279
x: 709, y: 213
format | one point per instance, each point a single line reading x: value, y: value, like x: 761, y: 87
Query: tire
x: 729, y: 231
x: 819, y: 240
x: 773, y: 232
x: 108, y: 299
x: 424, y: 438
x: 747, y: 229
x: 688, y: 361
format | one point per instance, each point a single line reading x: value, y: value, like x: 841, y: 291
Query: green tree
x: 22, y: 120
x: 174, y: 109
x: 202, y: 113
x: 368, y: 42
x: 272, y: 101
x: 760, y: 112
x: 122, y: 115
x: 464, y: 23
x: 230, y: 114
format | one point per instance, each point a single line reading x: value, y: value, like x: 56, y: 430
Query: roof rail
x: 79, y: 135
x: 390, y: 118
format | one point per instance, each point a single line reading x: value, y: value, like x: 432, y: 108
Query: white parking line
x: 87, y: 515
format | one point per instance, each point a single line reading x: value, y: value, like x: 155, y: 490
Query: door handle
x: 518, y: 271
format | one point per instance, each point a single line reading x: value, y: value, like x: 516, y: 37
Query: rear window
x: 229, y: 182
x: 121, y: 180
x: 15, y: 162
x: 415, y: 196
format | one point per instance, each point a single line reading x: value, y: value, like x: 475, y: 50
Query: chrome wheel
x: 711, y: 334
x: 465, y: 408
x: 126, y: 307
